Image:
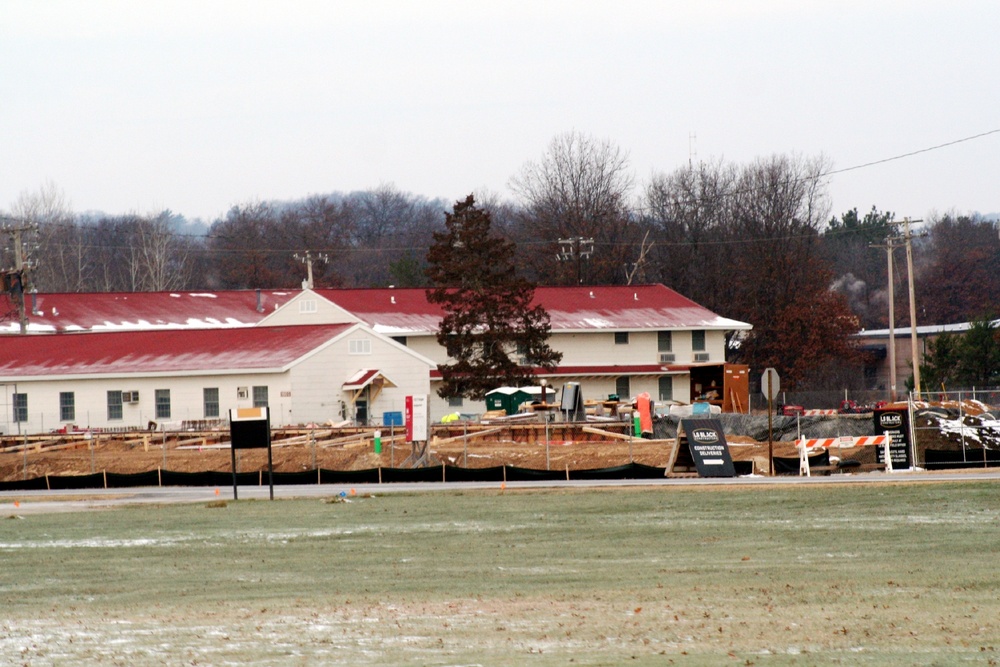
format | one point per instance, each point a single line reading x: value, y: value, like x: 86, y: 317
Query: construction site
x: 967, y: 433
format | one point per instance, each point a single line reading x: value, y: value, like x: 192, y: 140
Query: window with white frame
x: 622, y: 388
x: 162, y: 403
x: 698, y: 340
x: 664, y: 341
x: 115, y: 405
x: 260, y: 397
x: 67, y: 406
x: 666, y: 388
x: 20, y: 407
x: 307, y: 306
x: 621, y: 338
x: 210, y: 398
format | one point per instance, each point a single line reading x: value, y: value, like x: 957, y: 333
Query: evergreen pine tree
x: 489, y: 319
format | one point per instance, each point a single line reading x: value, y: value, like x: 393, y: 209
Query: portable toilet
x: 499, y: 399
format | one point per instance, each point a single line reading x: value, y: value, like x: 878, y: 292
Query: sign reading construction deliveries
x: 894, y: 423
x: 707, y: 443
x: 416, y: 418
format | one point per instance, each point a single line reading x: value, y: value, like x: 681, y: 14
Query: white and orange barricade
x: 805, y: 446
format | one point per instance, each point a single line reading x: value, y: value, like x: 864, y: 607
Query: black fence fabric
x: 444, y: 474
x: 942, y: 459
x: 790, y: 466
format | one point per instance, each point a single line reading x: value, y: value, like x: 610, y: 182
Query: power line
x: 912, y: 153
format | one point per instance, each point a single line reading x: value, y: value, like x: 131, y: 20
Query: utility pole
x: 576, y: 247
x: 308, y: 259
x: 892, y: 326
x: 913, y: 305
x: 907, y: 238
x: 16, y: 280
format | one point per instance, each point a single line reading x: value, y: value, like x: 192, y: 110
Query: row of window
x: 665, y: 340
x: 664, y: 389
x: 623, y: 388
x: 161, y: 402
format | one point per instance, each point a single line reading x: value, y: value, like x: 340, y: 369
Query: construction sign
x: 416, y: 418
x: 895, y: 423
x: 701, y: 447
x: 250, y: 428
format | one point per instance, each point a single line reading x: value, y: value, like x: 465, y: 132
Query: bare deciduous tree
x: 580, y: 188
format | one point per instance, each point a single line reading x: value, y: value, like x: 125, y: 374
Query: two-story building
x: 621, y: 340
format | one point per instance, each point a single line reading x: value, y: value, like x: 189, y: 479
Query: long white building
x: 121, y: 360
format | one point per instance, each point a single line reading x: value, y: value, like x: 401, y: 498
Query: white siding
x: 308, y: 308
x: 599, y: 348
x: 317, y: 383
x: 91, y: 402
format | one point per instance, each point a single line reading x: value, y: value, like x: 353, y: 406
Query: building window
x: 211, y: 400
x: 360, y: 346
x: 666, y: 388
x: 454, y: 401
x: 163, y: 404
x: 621, y: 338
x: 114, y: 405
x: 20, y: 407
x: 698, y: 340
x: 260, y: 397
x: 307, y: 306
x: 622, y: 388
x: 664, y: 341
x: 67, y: 406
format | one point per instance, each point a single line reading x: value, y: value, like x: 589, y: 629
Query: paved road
x: 70, y: 500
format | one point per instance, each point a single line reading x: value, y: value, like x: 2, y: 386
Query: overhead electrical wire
x: 692, y: 200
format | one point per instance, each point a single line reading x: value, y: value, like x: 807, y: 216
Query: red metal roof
x: 366, y: 376
x: 387, y: 310
x: 114, y: 353
x: 119, y: 311
x: 613, y: 308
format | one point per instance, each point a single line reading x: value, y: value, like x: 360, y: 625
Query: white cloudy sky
x: 195, y: 106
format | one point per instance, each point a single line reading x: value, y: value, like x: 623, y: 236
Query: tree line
x: 754, y: 242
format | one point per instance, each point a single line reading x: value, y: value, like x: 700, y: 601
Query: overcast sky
x: 195, y: 106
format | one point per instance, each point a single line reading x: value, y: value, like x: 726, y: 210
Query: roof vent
x: 392, y: 299
x: 592, y: 294
x: 635, y: 296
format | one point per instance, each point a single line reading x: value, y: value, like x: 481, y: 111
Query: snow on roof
x: 158, y: 351
x: 388, y: 311
x: 130, y: 311
x: 635, y: 307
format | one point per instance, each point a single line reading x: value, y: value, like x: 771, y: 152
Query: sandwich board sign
x: 895, y: 423
x: 250, y: 428
x: 702, y: 447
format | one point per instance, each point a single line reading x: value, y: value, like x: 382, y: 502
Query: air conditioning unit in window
x: 701, y: 356
x: 242, y: 393
x: 666, y: 357
x: 130, y: 397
